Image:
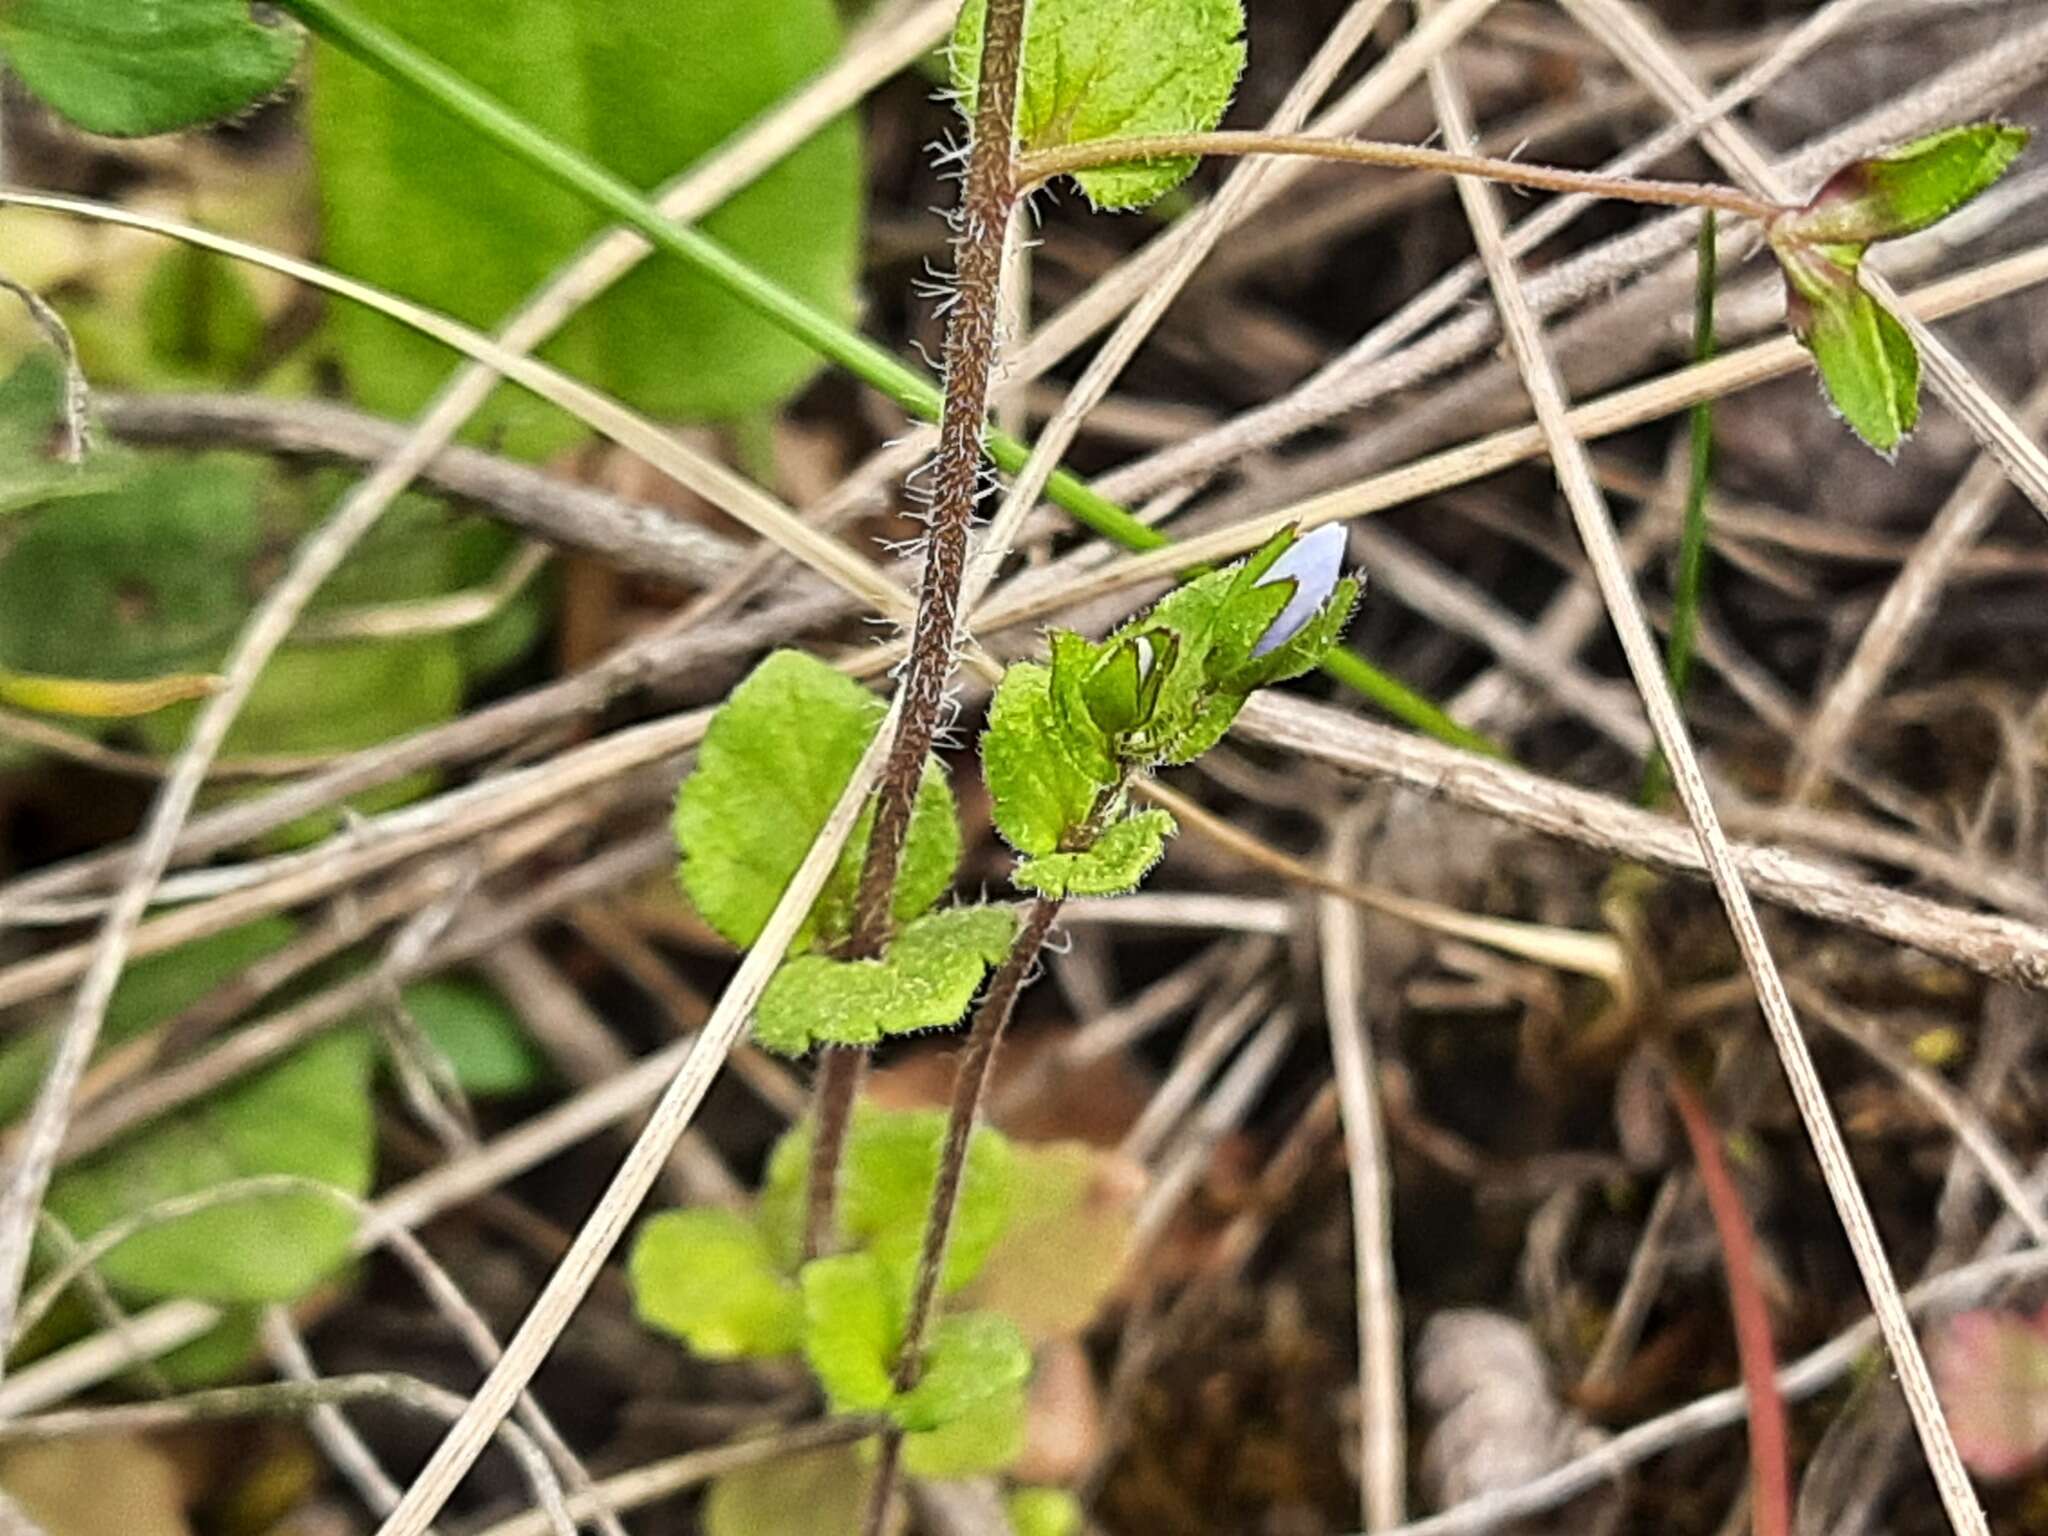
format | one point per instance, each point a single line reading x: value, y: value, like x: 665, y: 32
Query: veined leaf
x: 133, y: 67
x: 446, y: 218
x: 771, y: 768
x: 1118, y: 861
x: 1037, y: 794
x: 925, y: 981
x: 1867, y: 362
x: 1107, y: 71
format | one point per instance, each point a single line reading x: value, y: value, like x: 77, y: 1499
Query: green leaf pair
x: 1867, y: 362
x: 732, y: 1287
x: 1095, y: 71
x: 774, y: 762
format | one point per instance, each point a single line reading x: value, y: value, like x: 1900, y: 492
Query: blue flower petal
x: 1315, y: 563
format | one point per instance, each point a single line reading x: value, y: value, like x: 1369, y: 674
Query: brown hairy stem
x: 985, y: 201
x: 970, y: 1088
x: 1071, y: 158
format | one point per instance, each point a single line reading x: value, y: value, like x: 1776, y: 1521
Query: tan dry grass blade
x: 1595, y: 524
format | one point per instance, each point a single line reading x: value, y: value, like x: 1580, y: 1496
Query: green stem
x: 1691, y: 579
x: 384, y: 51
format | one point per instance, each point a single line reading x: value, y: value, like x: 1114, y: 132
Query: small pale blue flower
x: 1315, y: 562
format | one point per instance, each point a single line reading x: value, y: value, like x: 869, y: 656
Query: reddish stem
x: 1769, y: 1455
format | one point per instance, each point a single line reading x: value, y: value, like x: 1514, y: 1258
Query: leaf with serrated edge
x: 706, y: 1276
x: 771, y: 768
x: 1106, y: 71
x: 925, y: 980
x: 1036, y: 793
x: 125, y: 68
x: 1117, y: 862
x: 850, y: 1331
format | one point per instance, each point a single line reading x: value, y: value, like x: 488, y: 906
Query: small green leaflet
x: 134, y: 67
x: 925, y: 981
x: 1104, y: 71
x: 973, y: 1356
x: 1867, y: 362
x: 706, y: 1277
x: 850, y: 1331
x: 986, y: 1438
x: 773, y: 764
x: 1037, y: 794
x: 885, y: 1188
x: 1906, y: 189
x: 1118, y: 861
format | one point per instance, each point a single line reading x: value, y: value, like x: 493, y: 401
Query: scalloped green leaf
x: 1094, y: 71
x: 1118, y: 861
x: 434, y: 212
x: 1037, y: 795
x: 772, y: 765
x: 850, y: 1331
x: 1907, y: 188
x: 925, y: 980
x: 706, y: 1276
x: 132, y: 67
x: 310, y: 1116
x: 886, y: 1180
x: 972, y: 1357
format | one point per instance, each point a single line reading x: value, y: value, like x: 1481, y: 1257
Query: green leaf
x: 850, y: 1331
x: 131, y: 67
x: 471, y: 1025
x: 32, y: 471
x: 706, y: 1276
x: 153, y: 991
x: 144, y: 575
x: 308, y: 1116
x: 987, y: 1438
x: 1094, y: 71
x: 802, y: 1495
x: 1905, y: 189
x: 1117, y: 862
x: 199, y: 317
x: 773, y: 764
x: 886, y: 1180
x: 1044, y: 1511
x: 446, y: 218
x: 926, y: 979
x: 1867, y: 362
x: 1037, y: 795
x: 972, y: 1357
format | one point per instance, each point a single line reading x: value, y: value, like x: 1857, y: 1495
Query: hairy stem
x: 970, y: 1088
x: 347, y: 28
x: 1068, y: 159
x: 986, y: 197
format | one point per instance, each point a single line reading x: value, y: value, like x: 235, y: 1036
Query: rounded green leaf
x: 706, y: 1277
x: 1107, y: 71
x: 772, y: 765
x: 972, y: 1357
x: 850, y: 1331
x: 1117, y: 862
x: 480, y: 1035
x: 925, y: 980
x: 132, y: 67
x: 1037, y: 795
